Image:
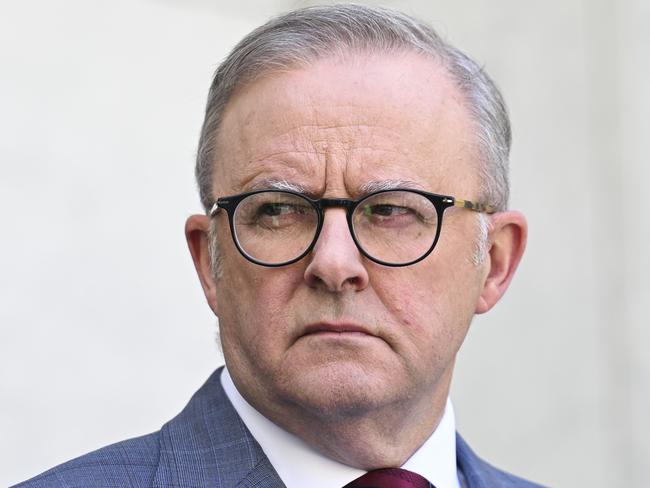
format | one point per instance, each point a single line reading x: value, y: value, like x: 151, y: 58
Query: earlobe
x: 197, y: 233
x: 507, y: 240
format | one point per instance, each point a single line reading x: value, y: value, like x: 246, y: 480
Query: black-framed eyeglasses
x: 390, y: 227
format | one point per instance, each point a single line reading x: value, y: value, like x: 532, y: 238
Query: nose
x: 336, y: 263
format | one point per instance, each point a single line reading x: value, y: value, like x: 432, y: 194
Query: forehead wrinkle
x: 255, y: 176
x: 348, y: 135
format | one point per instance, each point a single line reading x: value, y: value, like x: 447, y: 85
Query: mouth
x: 337, y: 329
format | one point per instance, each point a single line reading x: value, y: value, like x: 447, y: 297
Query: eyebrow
x: 379, y: 185
x: 277, y: 184
x: 366, y: 188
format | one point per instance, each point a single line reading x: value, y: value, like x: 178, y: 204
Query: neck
x: 365, y: 438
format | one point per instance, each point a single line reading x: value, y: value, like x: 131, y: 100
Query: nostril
x: 336, y: 269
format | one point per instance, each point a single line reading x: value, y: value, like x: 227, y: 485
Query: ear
x: 197, y: 228
x: 507, y: 241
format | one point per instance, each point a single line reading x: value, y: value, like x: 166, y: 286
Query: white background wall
x: 104, y: 333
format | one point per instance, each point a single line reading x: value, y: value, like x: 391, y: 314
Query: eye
x: 396, y: 210
x: 385, y: 210
x: 276, y: 215
x: 275, y: 209
x: 389, y: 215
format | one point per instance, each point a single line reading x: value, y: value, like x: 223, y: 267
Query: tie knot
x: 390, y: 478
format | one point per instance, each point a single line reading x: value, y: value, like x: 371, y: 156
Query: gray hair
x: 304, y: 36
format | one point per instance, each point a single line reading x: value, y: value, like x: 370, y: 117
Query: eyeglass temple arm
x: 477, y: 207
x: 214, y: 209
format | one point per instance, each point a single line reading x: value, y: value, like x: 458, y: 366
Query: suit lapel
x: 263, y: 475
x: 472, y: 471
x: 207, y: 444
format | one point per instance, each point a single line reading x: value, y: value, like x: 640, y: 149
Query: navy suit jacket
x: 208, y: 445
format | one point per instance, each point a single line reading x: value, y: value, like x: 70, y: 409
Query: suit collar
x: 207, y: 444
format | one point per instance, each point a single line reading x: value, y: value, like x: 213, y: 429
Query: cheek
x: 431, y: 317
x: 412, y: 293
x: 414, y: 309
x: 252, y: 307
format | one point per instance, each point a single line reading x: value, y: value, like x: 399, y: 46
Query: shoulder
x: 206, y: 444
x: 478, y: 473
x: 130, y: 463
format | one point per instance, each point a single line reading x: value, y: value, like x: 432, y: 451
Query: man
x: 353, y: 168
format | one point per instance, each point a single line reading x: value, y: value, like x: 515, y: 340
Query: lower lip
x: 338, y: 335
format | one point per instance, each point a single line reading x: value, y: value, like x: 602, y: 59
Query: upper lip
x: 335, y: 327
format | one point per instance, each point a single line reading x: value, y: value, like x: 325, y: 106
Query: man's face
x: 336, y: 333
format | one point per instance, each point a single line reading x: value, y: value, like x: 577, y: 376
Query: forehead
x: 341, y: 123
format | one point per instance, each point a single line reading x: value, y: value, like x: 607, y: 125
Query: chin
x: 338, y: 389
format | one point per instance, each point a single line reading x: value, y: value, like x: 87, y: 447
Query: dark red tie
x: 390, y: 478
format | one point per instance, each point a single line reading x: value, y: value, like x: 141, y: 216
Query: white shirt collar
x: 300, y: 465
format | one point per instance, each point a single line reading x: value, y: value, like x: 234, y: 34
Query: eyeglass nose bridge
x: 325, y: 203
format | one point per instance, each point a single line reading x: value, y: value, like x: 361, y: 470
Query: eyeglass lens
x: 394, y: 227
x: 275, y: 227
